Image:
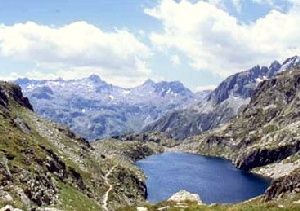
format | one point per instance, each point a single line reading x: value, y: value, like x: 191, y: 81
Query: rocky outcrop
x: 128, y: 181
x: 243, y: 84
x: 261, y: 157
x: 185, y: 196
x: 14, y: 92
x: 282, y: 186
x: 43, y: 164
x: 3, y: 98
x: 9, y: 208
x: 18, y: 122
x: 40, y: 189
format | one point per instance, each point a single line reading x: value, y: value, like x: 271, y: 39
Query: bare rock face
x: 5, y: 196
x: 9, y: 208
x: 18, y: 122
x: 185, y: 196
x: 284, y: 185
x: 3, y: 99
x: 261, y: 157
x: 14, y: 92
x: 221, y: 105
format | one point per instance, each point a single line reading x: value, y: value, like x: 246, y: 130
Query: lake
x: 215, y: 180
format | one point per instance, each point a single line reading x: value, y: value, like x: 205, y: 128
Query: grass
x: 73, y: 200
x: 254, y: 205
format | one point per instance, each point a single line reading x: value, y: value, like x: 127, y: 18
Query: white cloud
x: 175, y: 60
x: 77, y: 49
x: 205, y: 88
x: 215, y: 41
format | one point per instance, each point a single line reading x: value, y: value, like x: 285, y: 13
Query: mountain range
x: 45, y: 166
x: 95, y: 109
x: 221, y: 105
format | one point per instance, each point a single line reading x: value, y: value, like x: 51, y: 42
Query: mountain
x: 44, y: 166
x: 95, y: 109
x: 264, y: 137
x: 222, y: 104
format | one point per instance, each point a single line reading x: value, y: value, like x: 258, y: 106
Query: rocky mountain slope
x: 95, y: 109
x: 231, y: 96
x: 44, y: 165
x: 264, y: 137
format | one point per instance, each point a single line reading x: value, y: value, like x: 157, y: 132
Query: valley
x: 150, y: 105
x: 46, y: 166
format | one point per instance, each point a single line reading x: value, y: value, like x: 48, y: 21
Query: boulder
x: 184, y: 196
x: 9, y: 208
x: 5, y: 196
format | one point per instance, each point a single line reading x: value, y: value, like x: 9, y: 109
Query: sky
x: 198, y: 42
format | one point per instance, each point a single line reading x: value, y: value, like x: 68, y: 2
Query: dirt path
x: 105, y: 197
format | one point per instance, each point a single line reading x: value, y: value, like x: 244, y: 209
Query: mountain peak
x: 95, y: 78
x: 290, y: 63
x: 22, y: 81
x: 274, y: 64
x: 149, y: 82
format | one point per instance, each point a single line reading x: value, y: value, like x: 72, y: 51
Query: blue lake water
x: 215, y: 180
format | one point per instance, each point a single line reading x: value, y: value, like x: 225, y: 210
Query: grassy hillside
x: 45, y: 165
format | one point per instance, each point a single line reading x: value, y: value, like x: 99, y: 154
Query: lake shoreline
x: 175, y: 150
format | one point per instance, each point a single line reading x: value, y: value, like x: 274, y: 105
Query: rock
x: 9, y: 208
x: 12, y: 91
x: 47, y: 209
x: 19, y: 123
x: 296, y: 202
x: 142, y: 209
x: 25, y: 200
x: 40, y: 189
x: 4, y: 169
x: 5, y: 196
x: 261, y: 157
x: 283, y: 185
x: 3, y: 98
x: 183, y: 196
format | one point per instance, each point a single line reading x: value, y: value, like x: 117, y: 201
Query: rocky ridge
x: 221, y: 105
x: 46, y: 166
x: 95, y: 109
x: 264, y: 137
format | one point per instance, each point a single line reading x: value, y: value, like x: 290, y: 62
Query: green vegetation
x: 73, y: 200
x: 43, y: 164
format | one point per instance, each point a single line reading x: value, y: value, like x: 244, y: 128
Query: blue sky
x: 128, y: 41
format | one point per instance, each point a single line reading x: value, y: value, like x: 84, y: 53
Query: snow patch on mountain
x: 96, y: 109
